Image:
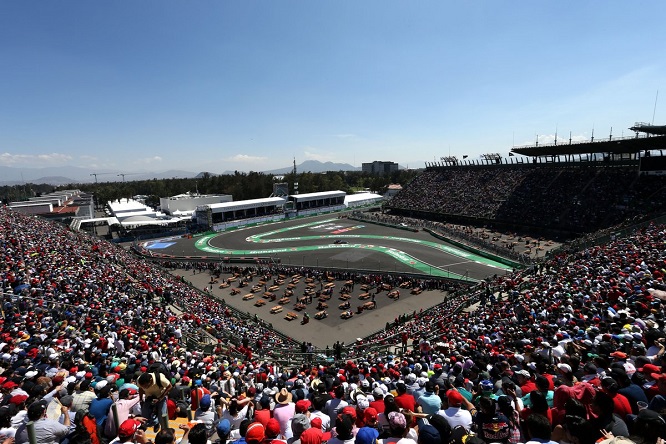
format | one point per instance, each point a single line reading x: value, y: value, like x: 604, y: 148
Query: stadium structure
x: 566, y: 189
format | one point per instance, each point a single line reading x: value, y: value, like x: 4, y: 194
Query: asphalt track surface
x: 309, y: 242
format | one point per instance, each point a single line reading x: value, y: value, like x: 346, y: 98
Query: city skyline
x: 249, y: 86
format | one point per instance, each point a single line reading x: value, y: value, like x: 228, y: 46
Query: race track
x: 367, y: 246
x: 311, y: 243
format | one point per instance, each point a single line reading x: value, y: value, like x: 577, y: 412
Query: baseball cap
x: 650, y: 368
x: 272, y: 428
x: 311, y: 436
x: 397, y: 420
x: 17, y: 399
x: 367, y: 435
x: 255, y: 432
x: 429, y: 435
x: 299, y: 424
x: 223, y: 427
x: 302, y: 406
x: 566, y: 368
x: 128, y: 427
x: 370, y: 414
x: 455, y: 398
x: 205, y: 401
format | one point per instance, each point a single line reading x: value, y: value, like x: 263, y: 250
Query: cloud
x: 322, y: 157
x: 149, y: 160
x: 9, y: 159
x: 246, y: 158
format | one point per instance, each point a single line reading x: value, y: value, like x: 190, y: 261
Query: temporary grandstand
x: 186, y: 204
x: 226, y: 215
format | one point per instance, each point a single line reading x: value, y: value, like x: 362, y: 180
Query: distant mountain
x: 314, y: 166
x: 71, y: 175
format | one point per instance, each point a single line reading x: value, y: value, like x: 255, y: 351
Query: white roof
x: 245, y: 204
x: 127, y: 205
x: 316, y: 196
x: 360, y: 197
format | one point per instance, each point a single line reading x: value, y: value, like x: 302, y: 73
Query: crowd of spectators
x: 569, y: 351
x: 575, y: 199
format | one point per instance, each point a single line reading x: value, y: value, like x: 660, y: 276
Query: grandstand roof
x: 362, y: 197
x: 245, y: 204
x: 316, y: 196
x: 627, y: 145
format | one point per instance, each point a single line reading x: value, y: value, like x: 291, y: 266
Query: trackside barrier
x: 476, y: 251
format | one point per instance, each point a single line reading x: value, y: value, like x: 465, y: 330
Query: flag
x: 465, y: 156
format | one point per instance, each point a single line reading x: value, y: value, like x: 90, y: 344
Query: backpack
x: 157, y: 368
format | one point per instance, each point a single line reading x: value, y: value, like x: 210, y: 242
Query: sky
x: 156, y: 85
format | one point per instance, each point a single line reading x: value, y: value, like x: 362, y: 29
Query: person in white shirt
x: 454, y: 414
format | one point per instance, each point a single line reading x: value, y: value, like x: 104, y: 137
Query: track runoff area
x: 338, y: 243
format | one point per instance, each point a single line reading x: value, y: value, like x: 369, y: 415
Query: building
x: 59, y: 205
x: 379, y: 167
x: 186, y: 204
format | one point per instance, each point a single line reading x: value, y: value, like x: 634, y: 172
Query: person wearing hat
x: 47, y: 431
x: 658, y: 401
x: 524, y: 381
x: 284, y: 411
x: 299, y: 424
x: 312, y: 436
x: 223, y: 430
x: 67, y: 402
x: 378, y: 403
x: 429, y: 435
x: 398, y: 429
x: 208, y: 413
x: 255, y: 433
x: 273, y: 432
x: 455, y: 414
x: 130, y: 431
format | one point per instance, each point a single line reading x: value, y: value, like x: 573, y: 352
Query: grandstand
x: 566, y: 190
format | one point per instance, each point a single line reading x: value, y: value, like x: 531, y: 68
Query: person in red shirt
x: 262, y: 412
x: 197, y: 394
x: 622, y: 405
x: 525, y: 382
x: 378, y: 403
x: 404, y: 400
